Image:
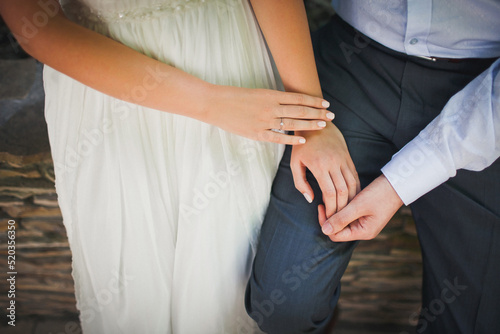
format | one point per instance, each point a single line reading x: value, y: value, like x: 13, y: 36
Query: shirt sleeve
x: 465, y: 135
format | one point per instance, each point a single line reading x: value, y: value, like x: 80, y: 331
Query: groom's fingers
x: 341, y: 220
x: 349, y: 233
x: 300, y: 180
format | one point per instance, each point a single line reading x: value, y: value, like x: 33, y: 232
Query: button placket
x: 419, y: 15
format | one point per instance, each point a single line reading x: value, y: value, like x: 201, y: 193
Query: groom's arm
x: 285, y: 28
x: 466, y: 135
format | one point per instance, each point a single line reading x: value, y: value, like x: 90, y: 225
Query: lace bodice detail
x: 129, y: 10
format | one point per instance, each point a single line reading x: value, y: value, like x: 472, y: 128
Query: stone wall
x: 44, y: 286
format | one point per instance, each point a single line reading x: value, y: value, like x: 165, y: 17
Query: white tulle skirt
x: 162, y: 211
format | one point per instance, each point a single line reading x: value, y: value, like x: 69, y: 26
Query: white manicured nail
x: 302, y: 141
x: 325, y: 104
x: 322, y: 124
x: 307, y: 197
x: 330, y: 115
x: 327, y: 228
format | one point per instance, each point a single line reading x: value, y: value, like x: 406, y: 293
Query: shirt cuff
x: 415, y: 170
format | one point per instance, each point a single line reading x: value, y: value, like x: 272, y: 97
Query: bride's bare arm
x: 117, y: 70
x: 284, y: 25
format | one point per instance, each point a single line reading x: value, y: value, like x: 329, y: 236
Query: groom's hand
x: 326, y: 155
x: 365, y: 216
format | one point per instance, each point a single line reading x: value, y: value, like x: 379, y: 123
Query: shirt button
x: 413, y: 41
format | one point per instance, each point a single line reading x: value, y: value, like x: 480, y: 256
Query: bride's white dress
x: 162, y: 211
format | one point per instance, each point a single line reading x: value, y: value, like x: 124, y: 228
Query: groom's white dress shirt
x: 466, y: 135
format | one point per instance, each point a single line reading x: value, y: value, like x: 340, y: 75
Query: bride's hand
x: 328, y: 159
x: 256, y: 113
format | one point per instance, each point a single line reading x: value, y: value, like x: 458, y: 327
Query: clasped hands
x: 348, y: 213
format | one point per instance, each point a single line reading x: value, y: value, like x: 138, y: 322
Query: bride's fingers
x: 280, y: 138
x: 297, y: 124
x: 302, y: 112
x: 352, y: 180
x: 341, y: 188
x: 303, y: 100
